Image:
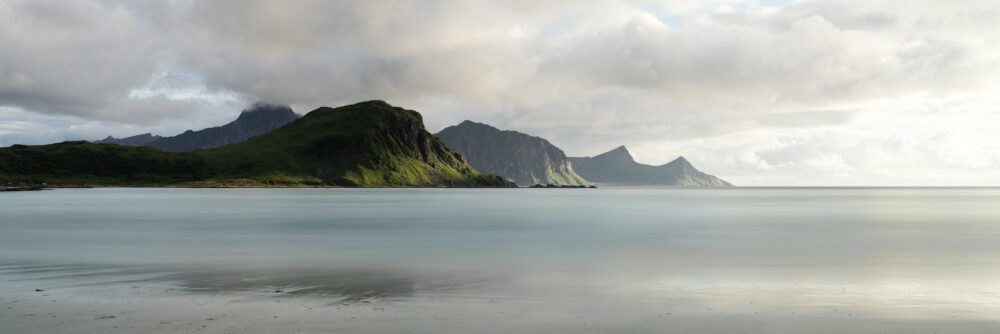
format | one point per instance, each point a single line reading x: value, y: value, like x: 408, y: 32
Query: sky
x: 770, y: 93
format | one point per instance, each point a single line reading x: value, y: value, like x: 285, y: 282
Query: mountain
x: 616, y: 167
x: 137, y: 140
x: 520, y: 157
x: 258, y: 120
x: 370, y: 144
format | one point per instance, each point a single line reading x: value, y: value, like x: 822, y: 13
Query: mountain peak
x: 619, y: 153
x: 262, y: 110
x: 360, y: 107
x: 258, y: 119
x: 680, y: 160
x: 617, y: 167
x: 264, y: 106
x: 476, y: 125
x: 373, y: 103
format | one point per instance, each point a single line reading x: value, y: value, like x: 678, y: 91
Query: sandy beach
x: 87, y: 299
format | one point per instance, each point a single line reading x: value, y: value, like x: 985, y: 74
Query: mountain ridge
x: 618, y: 167
x: 137, y: 140
x: 257, y: 120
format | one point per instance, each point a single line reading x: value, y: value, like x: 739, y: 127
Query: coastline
x: 173, y: 186
x: 25, y: 188
x: 272, y: 186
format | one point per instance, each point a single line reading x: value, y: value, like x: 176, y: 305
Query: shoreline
x: 26, y: 188
x: 91, y: 186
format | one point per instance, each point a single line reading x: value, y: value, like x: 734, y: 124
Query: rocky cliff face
x: 617, y: 167
x: 258, y: 120
x: 520, y: 157
x: 365, y: 144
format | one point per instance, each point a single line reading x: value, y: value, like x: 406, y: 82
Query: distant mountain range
x: 526, y: 159
x: 258, y: 120
x: 617, y: 167
x: 370, y: 144
x: 137, y: 140
x: 529, y: 160
x: 365, y: 144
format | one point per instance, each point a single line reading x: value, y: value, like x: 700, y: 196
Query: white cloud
x: 759, y: 92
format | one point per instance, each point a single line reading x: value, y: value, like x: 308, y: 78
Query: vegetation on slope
x: 80, y: 162
x: 369, y: 144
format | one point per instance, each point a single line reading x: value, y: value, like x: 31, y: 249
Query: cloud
x: 70, y: 57
x: 805, y: 88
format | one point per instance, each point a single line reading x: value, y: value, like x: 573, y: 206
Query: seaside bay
x: 613, y: 259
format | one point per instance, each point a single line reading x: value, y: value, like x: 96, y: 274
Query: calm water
x: 620, y: 259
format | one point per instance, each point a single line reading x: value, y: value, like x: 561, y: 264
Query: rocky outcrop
x: 523, y: 158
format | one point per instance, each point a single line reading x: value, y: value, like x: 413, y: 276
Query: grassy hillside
x: 368, y: 144
x: 81, y: 162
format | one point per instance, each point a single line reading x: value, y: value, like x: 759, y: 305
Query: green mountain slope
x: 370, y: 144
x: 81, y: 162
x: 523, y: 158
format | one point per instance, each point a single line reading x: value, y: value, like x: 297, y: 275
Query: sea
x: 429, y: 260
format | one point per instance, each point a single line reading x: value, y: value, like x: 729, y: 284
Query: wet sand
x: 109, y: 299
